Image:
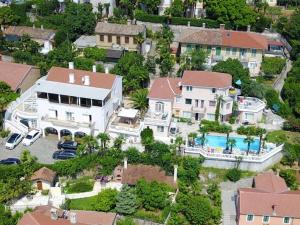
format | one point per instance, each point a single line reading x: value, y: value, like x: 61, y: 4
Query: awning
x: 128, y: 113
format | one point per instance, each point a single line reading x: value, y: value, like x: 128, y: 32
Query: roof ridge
x: 170, y: 86
x: 33, y: 218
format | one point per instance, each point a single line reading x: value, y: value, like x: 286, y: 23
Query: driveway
x: 229, y: 191
x: 43, y: 149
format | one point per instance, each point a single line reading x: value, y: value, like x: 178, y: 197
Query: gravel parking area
x: 43, y: 149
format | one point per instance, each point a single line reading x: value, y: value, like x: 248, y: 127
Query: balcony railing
x: 157, y: 117
x: 67, y: 123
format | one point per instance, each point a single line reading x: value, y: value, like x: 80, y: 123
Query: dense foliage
x: 272, y: 66
x: 250, y: 130
x: 214, y: 126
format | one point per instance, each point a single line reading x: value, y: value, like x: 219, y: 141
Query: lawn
x: 83, y: 184
x: 281, y: 136
x: 83, y: 203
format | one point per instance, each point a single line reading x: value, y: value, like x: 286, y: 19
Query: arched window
x: 159, y: 107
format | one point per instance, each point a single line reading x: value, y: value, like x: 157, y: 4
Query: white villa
x: 67, y: 101
x: 250, y: 110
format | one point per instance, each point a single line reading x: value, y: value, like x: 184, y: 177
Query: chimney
x: 94, y: 69
x: 248, y: 28
x: 175, y: 173
x: 189, y: 23
x: 42, y: 27
x: 106, y: 70
x: 125, y: 163
x: 71, y: 78
x: 273, y: 210
x: 222, y: 26
x: 203, y: 25
x: 86, y: 80
x: 54, y: 215
x: 72, y: 217
x: 71, y: 65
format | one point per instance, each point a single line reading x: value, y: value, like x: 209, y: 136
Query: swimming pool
x: 220, y: 141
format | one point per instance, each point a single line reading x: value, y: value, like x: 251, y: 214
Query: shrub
x: 215, y: 126
x: 250, y: 130
x: 289, y: 178
x: 292, y: 125
x: 148, y: 215
x: 234, y: 174
x: 45, y: 192
x: 126, y: 221
x: 106, y: 200
x: 4, y: 133
x: 272, y: 66
x: 81, y: 185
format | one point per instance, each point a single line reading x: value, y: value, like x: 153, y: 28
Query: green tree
x: 150, y: 6
x: 106, y: 200
x: 7, y: 218
x: 126, y: 221
x: 126, y: 203
x: 88, y: 144
x: 97, y: 54
x: 176, y: 9
x: 289, y: 178
x: 178, y: 143
x: 261, y: 132
x: 84, y: 63
x: 189, y: 169
x: 8, y: 17
x: 118, y: 142
x: 150, y: 64
x: 232, y: 143
x: 249, y: 140
x: 233, y: 174
x: 139, y: 100
x: 291, y: 154
x: 104, y: 138
x: 198, y: 57
x: 140, y: 38
x: 147, y: 137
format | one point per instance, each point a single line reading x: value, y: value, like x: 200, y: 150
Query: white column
x: 175, y: 173
x: 44, y: 133
x: 73, y: 136
x: 58, y: 134
x: 125, y: 163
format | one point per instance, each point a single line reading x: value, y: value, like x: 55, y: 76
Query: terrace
x: 157, y: 118
x: 250, y: 104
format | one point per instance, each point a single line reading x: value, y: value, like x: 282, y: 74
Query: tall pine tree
x: 126, y: 201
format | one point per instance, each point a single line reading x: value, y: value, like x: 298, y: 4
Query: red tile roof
x: 269, y: 182
x: 229, y: 38
x: 98, y: 80
x: 13, y: 73
x: 206, y: 79
x: 42, y: 216
x: 44, y: 174
x: 256, y: 202
x: 165, y: 88
x: 35, y: 33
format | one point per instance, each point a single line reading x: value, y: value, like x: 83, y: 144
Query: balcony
x: 157, y: 118
x: 250, y: 104
x: 67, y: 123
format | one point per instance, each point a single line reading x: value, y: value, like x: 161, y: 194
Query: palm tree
x: 218, y: 106
x: 139, y: 100
x: 140, y: 38
x: 104, y: 138
x: 261, y: 132
x: 106, y: 6
x: 178, y: 142
x: 248, y: 140
x: 88, y: 144
x: 228, y: 129
x: 202, y: 140
x: 203, y: 130
x: 231, y: 142
x: 118, y: 142
x: 192, y: 136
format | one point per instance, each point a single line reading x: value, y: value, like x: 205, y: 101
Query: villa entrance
x: 39, y: 185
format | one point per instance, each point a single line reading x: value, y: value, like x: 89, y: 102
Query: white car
x: 13, y: 140
x: 31, y: 137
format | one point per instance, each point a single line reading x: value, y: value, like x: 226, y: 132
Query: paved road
x: 43, y: 149
x: 229, y: 190
x: 278, y: 84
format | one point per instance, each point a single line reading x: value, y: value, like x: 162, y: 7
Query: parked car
x: 31, y: 137
x: 10, y: 161
x: 67, y: 145
x: 13, y: 140
x: 64, y: 155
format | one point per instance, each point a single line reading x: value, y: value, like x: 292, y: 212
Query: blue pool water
x: 220, y: 141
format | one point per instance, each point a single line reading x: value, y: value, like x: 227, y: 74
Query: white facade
x: 270, y: 2
x: 250, y: 110
x: 167, y: 4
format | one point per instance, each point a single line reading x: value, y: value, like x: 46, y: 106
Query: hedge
x: 142, y: 16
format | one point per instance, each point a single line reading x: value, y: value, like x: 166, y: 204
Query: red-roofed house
x: 193, y: 96
x: 221, y: 44
x: 269, y: 202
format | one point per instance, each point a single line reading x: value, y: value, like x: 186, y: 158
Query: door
x: 39, y: 185
x: 196, y: 116
x: 218, y: 51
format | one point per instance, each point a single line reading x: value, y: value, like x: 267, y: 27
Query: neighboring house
x: 116, y: 36
x: 270, y: 2
x: 250, y: 110
x: 220, y: 44
x: 46, y: 215
x: 268, y: 202
x: 43, y: 179
x: 19, y: 77
x: 198, y: 11
x: 77, y: 101
x: 95, y: 3
x: 85, y: 41
x: 131, y: 174
x: 45, y: 37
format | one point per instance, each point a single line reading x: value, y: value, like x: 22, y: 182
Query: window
x: 64, y: 99
x: 212, y: 103
x: 213, y: 90
x: 127, y: 40
x: 134, y: 41
x: 197, y: 103
x: 118, y: 40
x: 53, y: 98
x: 73, y: 100
x: 228, y: 106
x: 70, y: 116
x: 210, y: 116
x: 189, y: 88
x: 85, y: 102
x: 96, y: 102
x: 243, y: 52
x: 233, y: 51
x: 202, y: 103
x: 253, y: 52
x: 227, y: 51
x: 178, y: 99
x: 101, y: 37
x: 286, y: 220
x: 160, y: 129
x: 252, y: 65
x: 109, y: 38
x: 266, y: 219
x: 188, y: 101
x: 42, y: 95
x: 208, y: 49
x: 186, y: 114
x: 189, y: 48
x: 159, y: 107
x: 249, y: 116
x: 250, y: 218
x: 52, y: 113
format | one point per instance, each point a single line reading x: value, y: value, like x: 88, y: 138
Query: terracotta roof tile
x: 121, y: 29
x: 133, y: 173
x: 35, y: 33
x: 269, y: 182
x: 165, y: 88
x: 98, y: 80
x: 206, y: 79
x: 44, y: 174
x: 13, y: 73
